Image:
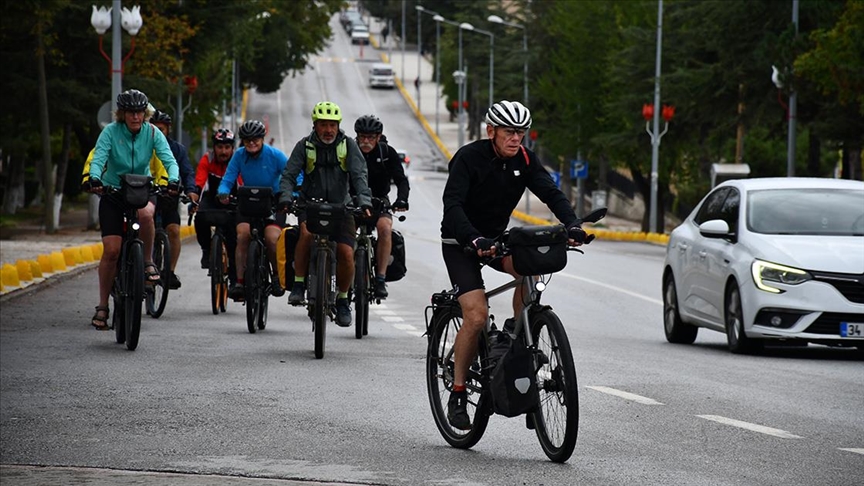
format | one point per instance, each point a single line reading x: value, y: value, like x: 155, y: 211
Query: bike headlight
x: 136, y: 226
x: 765, y: 273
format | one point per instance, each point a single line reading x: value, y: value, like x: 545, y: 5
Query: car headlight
x: 764, y: 273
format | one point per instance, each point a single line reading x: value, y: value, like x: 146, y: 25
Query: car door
x: 696, y: 284
x: 715, y: 255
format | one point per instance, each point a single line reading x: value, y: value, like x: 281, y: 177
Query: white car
x: 769, y: 259
x: 360, y: 34
x: 381, y: 76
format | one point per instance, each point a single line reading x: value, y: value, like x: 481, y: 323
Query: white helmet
x: 509, y: 114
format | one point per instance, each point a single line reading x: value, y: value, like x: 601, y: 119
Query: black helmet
x: 161, y: 117
x: 132, y: 100
x: 223, y: 135
x: 252, y: 129
x: 368, y: 124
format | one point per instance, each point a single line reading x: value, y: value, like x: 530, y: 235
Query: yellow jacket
x: 157, y: 170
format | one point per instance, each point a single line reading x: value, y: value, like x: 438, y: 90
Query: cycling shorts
x: 347, y: 233
x: 168, y: 210
x: 111, y: 211
x: 277, y: 219
x: 464, y: 268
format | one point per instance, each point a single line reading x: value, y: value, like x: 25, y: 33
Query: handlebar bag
x: 324, y: 218
x: 255, y: 202
x: 512, y: 381
x: 538, y: 250
x: 215, y: 217
x: 135, y: 189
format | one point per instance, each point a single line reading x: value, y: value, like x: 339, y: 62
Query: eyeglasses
x: 362, y: 136
x: 252, y: 141
x: 512, y: 132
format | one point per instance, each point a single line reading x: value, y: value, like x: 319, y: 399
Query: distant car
x: 381, y: 76
x: 403, y: 157
x: 360, y: 37
x: 349, y: 16
x: 773, y: 259
x: 356, y: 24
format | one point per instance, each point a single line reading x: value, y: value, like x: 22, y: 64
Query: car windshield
x: 806, y: 212
x: 382, y: 71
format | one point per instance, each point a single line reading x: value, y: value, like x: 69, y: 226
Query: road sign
x: 578, y: 169
x: 103, y: 117
x: 556, y: 177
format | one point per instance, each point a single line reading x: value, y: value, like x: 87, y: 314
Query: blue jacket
x: 263, y: 170
x: 118, y: 152
x: 187, y: 175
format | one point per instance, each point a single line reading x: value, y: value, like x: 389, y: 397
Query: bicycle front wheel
x: 218, y: 272
x: 556, y: 419
x: 322, y: 301
x: 361, y: 292
x: 157, y: 294
x: 118, y: 318
x: 134, y: 298
x: 439, y: 380
x: 263, y: 292
x: 253, y: 270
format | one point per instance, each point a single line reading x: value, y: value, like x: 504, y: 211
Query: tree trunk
x: 60, y: 181
x: 814, y: 162
x: 13, y: 199
x: 47, y: 165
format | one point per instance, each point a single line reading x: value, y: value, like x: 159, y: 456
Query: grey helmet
x: 509, y: 114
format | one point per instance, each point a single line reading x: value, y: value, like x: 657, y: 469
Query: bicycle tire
x: 134, y: 298
x: 361, y: 293
x: 252, y: 295
x: 263, y: 293
x: 322, y: 301
x: 439, y: 380
x: 217, y: 248
x: 157, y: 294
x: 556, y: 420
x: 118, y: 318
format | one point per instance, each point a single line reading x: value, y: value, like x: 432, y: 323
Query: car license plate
x: 852, y: 329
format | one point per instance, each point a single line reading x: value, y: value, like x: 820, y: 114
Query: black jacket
x: 482, y: 191
x: 187, y: 174
x: 384, y: 166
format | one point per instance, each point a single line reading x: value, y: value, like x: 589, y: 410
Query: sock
x: 381, y: 277
x: 298, y: 279
x: 459, y: 388
x: 342, y: 295
x: 241, y: 281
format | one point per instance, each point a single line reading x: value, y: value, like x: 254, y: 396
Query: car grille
x: 848, y: 284
x: 829, y: 322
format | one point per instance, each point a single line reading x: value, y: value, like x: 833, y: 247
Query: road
x: 202, y: 401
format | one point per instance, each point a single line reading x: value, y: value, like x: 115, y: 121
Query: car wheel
x: 737, y: 339
x: 677, y: 331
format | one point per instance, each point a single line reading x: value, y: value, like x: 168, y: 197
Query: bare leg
x: 301, y: 252
x: 385, y: 242
x: 108, y: 266
x: 147, y: 231
x: 243, y: 238
x: 475, y: 311
x: 344, y: 267
x: 173, y: 231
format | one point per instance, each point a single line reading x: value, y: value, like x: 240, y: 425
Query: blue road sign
x: 578, y: 169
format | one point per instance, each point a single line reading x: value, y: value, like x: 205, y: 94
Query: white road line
x: 392, y: 319
x: 856, y: 451
x: 625, y: 395
x: 382, y: 312
x: 405, y: 327
x: 753, y: 427
x: 612, y: 287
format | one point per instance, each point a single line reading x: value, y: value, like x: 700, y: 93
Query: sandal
x: 151, y: 273
x: 100, y: 319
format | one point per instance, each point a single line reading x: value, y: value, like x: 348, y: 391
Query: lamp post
x: 655, y: 138
x: 459, y: 76
x: 102, y: 19
x: 436, y: 18
x: 470, y: 27
x: 793, y: 109
x: 498, y: 20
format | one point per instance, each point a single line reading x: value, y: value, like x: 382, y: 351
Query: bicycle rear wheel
x: 322, y: 301
x: 134, y: 298
x: 218, y: 268
x: 157, y: 294
x: 118, y: 318
x: 263, y: 292
x: 361, y: 293
x: 446, y: 322
x: 253, y: 269
x: 556, y: 419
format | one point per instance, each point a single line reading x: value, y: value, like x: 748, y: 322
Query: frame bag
x: 136, y: 190
x: 538, y: 250
x: 396, y: 268
x: 512, y: 382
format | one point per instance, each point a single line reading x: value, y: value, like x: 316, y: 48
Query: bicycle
x: 128, y: 289
x: 553, y: 389
x: 256, y: 203
x: 218, y: 271
x: 156, y: 294
x: 364, y: 268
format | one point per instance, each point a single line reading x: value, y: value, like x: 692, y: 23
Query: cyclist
x: 215, y: 163
x: 383, y: 164
x: 330, y: 162
x: 259, y: 165
x: 125, y: 147
x: 167, y: 207
x: 486, y: 180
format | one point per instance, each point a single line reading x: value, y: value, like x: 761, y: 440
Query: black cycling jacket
x: 483, y: 190
x: 384, y: 166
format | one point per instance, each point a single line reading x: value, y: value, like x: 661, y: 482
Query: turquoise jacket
x: 118, y: 151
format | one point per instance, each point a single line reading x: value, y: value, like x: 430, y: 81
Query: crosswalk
x: 402, y: 320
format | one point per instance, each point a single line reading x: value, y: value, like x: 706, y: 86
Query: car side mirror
x: 716, y: 228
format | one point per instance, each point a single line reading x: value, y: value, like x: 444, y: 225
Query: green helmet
x: 326, y: 110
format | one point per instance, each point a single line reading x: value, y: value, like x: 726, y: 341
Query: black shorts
x: 167, y: 210
x: 277, y: 219
x: 464, y: 268
x: 111, y: 210
x: 346, y: 235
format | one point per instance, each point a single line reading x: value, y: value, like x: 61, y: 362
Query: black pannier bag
x: 324, y: 218
x: 538, y: 250
x: 512, y: 382
x: 255, y: 202
x: 396, y: 268
x: 135, y: 189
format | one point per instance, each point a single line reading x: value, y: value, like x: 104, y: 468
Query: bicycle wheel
x: 439, y: 380
x: 322, y: 301
x: 157, y: 294
x: 361, y: 292
x: 118, y: 320
x: 217, y: 274
x: 263, y: 292
x: 556, y: 419
x: 134, y: 298
x: 253, y: 268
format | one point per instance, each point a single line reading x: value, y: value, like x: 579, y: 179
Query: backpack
x: 512, y: 383
x: 396, y: 268
x: 285, y: 246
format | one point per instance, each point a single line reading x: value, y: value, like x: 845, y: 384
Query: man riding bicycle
x: 126, y: 147
x: 259, y: 165
x: 167, y: 206
x: 330, y: 161
x: 485, y: 182
x: 383, y: 165
x: 215, y: 163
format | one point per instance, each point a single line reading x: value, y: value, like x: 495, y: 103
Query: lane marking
x: 856, y: 451
x: 382, y: 312
x: 392, y: 319
x: 752, y: 427
x: 612, y: 287
x: 405, y: 327
x: 625, y: 395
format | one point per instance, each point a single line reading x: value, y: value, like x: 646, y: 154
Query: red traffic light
x: 191, y: 83
x: 668, y: 112
x: 533, y: 135
x: 647, y: 112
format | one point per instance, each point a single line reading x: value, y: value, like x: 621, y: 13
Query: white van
x: 381, y: 76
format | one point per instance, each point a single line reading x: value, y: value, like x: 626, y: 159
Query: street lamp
x: 131, y: 21
x: 436, y: 18
x: 420, y: 9
x: 655, y: 138
x: 470, y: 27
x: 459, y: 76
x: 498, y: 20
